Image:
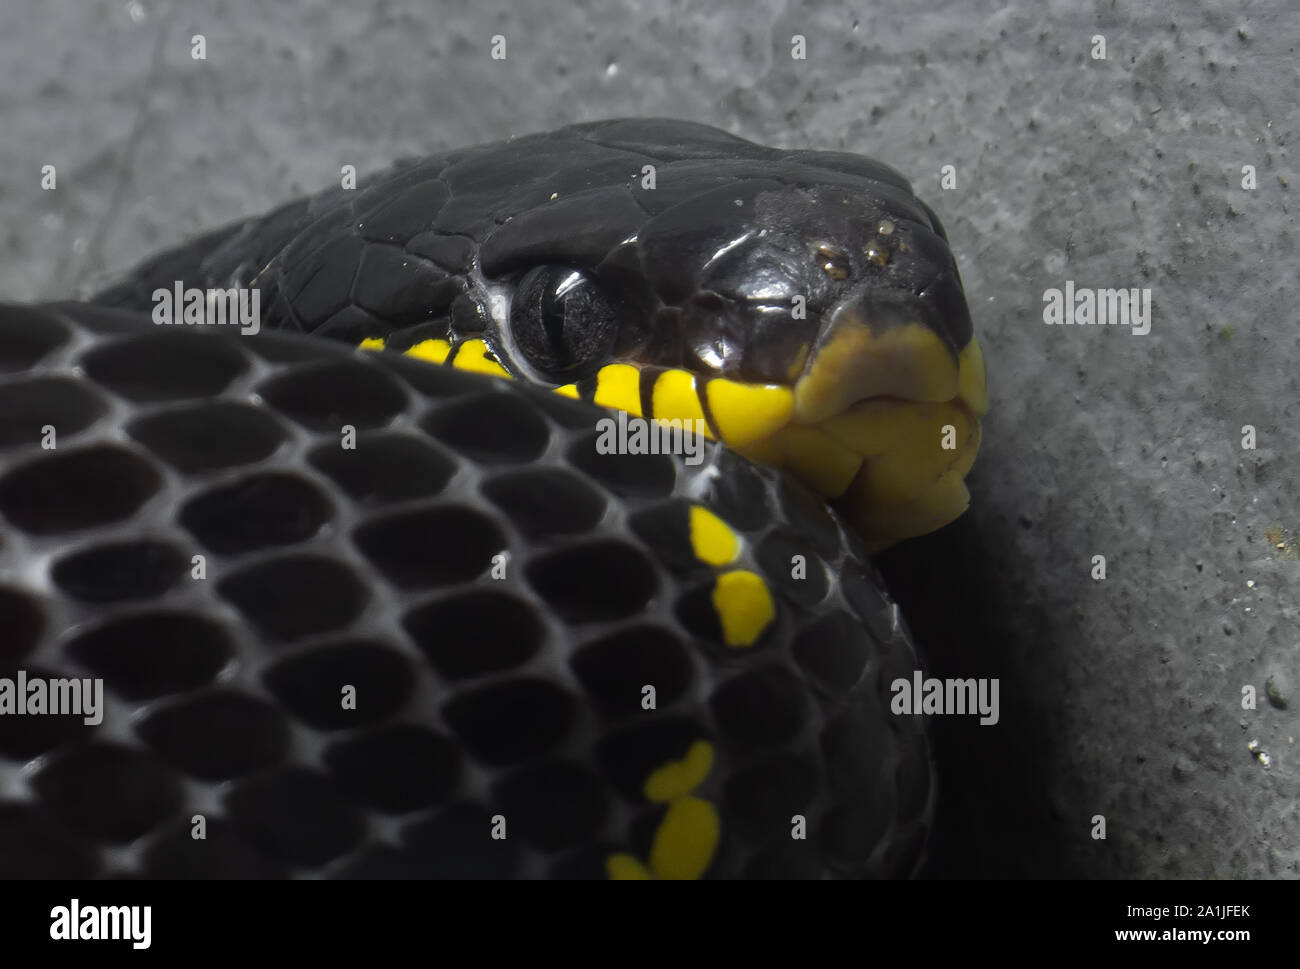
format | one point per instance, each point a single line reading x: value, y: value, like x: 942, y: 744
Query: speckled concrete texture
x: 1121, y: 697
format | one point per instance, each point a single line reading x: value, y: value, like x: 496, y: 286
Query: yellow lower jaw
x: 894, y: 465
x: 914, y: 483
x: 913, y: 448
x: 909, y: 447
x: 896, y: 468
x: 884, y: 525
x: 809, y: 454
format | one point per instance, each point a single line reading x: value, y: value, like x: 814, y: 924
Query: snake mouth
x: 886, y: 423
x: 883, y: 419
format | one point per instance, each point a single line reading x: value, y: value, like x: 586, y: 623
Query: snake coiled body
x: 387, y: 614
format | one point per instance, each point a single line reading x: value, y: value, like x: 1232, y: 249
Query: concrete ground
x: 1123, y: 696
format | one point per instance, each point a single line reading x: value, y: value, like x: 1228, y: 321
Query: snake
x: 523, y: 530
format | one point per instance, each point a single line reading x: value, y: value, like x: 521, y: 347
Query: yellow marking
x: 872, y: 427
x: 908, y: 361
x: 371, y: 343
x: 674, y: 398
x: 435, y: 351
x: 744, y: 606
x: 972, y: 380
x: 909, y: 483
x: 812, y: 455
x: 472, y: 356
x: 748, y: 412
x: 712, y: 539
x: 619, y: 385
x: 687, y: 838
x: 875, y: 427
x: 916, y: 459
x: 882, y: 526
x: 568, y: 390
x: 797, y: 364
x: 625, y: 868
x: 679, y: 777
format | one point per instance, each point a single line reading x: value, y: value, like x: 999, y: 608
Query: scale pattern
x: 515, y: 697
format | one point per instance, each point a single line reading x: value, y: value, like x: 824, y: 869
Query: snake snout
x: 880, y: 343
x: 887, y: 411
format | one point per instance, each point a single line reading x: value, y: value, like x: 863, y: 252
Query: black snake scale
x: 495, y: 593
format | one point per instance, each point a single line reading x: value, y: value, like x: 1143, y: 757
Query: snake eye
x: 562, y: 323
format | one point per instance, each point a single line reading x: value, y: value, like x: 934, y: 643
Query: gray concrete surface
x: 1121, y: 697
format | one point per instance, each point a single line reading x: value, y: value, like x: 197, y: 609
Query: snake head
x: 803, y: 305
x: 827, y: 330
